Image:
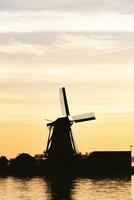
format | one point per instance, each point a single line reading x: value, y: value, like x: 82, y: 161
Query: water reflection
x: 132, y: 180
x: 64, y: 188
x: 97, y: 189
x: 89, y: 188
x: 60, y: 187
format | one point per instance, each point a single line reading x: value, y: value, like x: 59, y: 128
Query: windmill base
x: 97, y: 163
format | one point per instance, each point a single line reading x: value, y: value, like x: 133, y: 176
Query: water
x: 40, y: 188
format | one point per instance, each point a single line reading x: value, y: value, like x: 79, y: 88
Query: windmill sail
x: 84, y: 117
x: 64, y: 103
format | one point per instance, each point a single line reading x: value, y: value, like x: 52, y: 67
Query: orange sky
x: 87, y: 47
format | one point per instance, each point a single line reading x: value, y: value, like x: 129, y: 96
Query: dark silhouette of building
x: 110, y: 161
x: 60, y: 143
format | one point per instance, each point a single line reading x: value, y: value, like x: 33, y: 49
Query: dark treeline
x: 26, y: 164
x: 23, y: 163
x: 93, y: 164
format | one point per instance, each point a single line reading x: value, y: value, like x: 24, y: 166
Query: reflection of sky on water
x: 111, y: 189
x: 132, y: 180
x: 59, y: 188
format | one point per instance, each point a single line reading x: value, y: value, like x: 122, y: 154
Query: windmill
x: 60, y: 144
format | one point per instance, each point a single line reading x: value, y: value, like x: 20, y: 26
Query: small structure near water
x: 110, y: 161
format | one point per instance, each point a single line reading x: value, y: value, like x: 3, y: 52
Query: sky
x: 86, y: 46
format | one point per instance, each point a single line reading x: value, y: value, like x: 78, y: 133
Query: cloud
x: 90, y: 6
x: 16, y: 47
x: 91, y: 43
x: 65, y: 42
x: 33, y: 21
x: 49, y: 49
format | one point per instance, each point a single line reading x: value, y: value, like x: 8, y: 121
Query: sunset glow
x: 85, y: 46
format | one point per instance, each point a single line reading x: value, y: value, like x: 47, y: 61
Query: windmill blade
x: 84, y: 117
x: 64, y: 103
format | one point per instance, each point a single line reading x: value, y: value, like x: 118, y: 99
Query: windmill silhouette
x: 60, y: 144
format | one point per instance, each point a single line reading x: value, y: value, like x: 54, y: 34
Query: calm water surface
x: 40, y: 188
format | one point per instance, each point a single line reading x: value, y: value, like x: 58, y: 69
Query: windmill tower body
x: 60, y: 143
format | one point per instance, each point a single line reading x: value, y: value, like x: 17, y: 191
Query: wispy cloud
x: 112, y: 51
x: 29, y: 21
x: 16, y: 47
x: 89, y: 6
x: 63, y: 42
